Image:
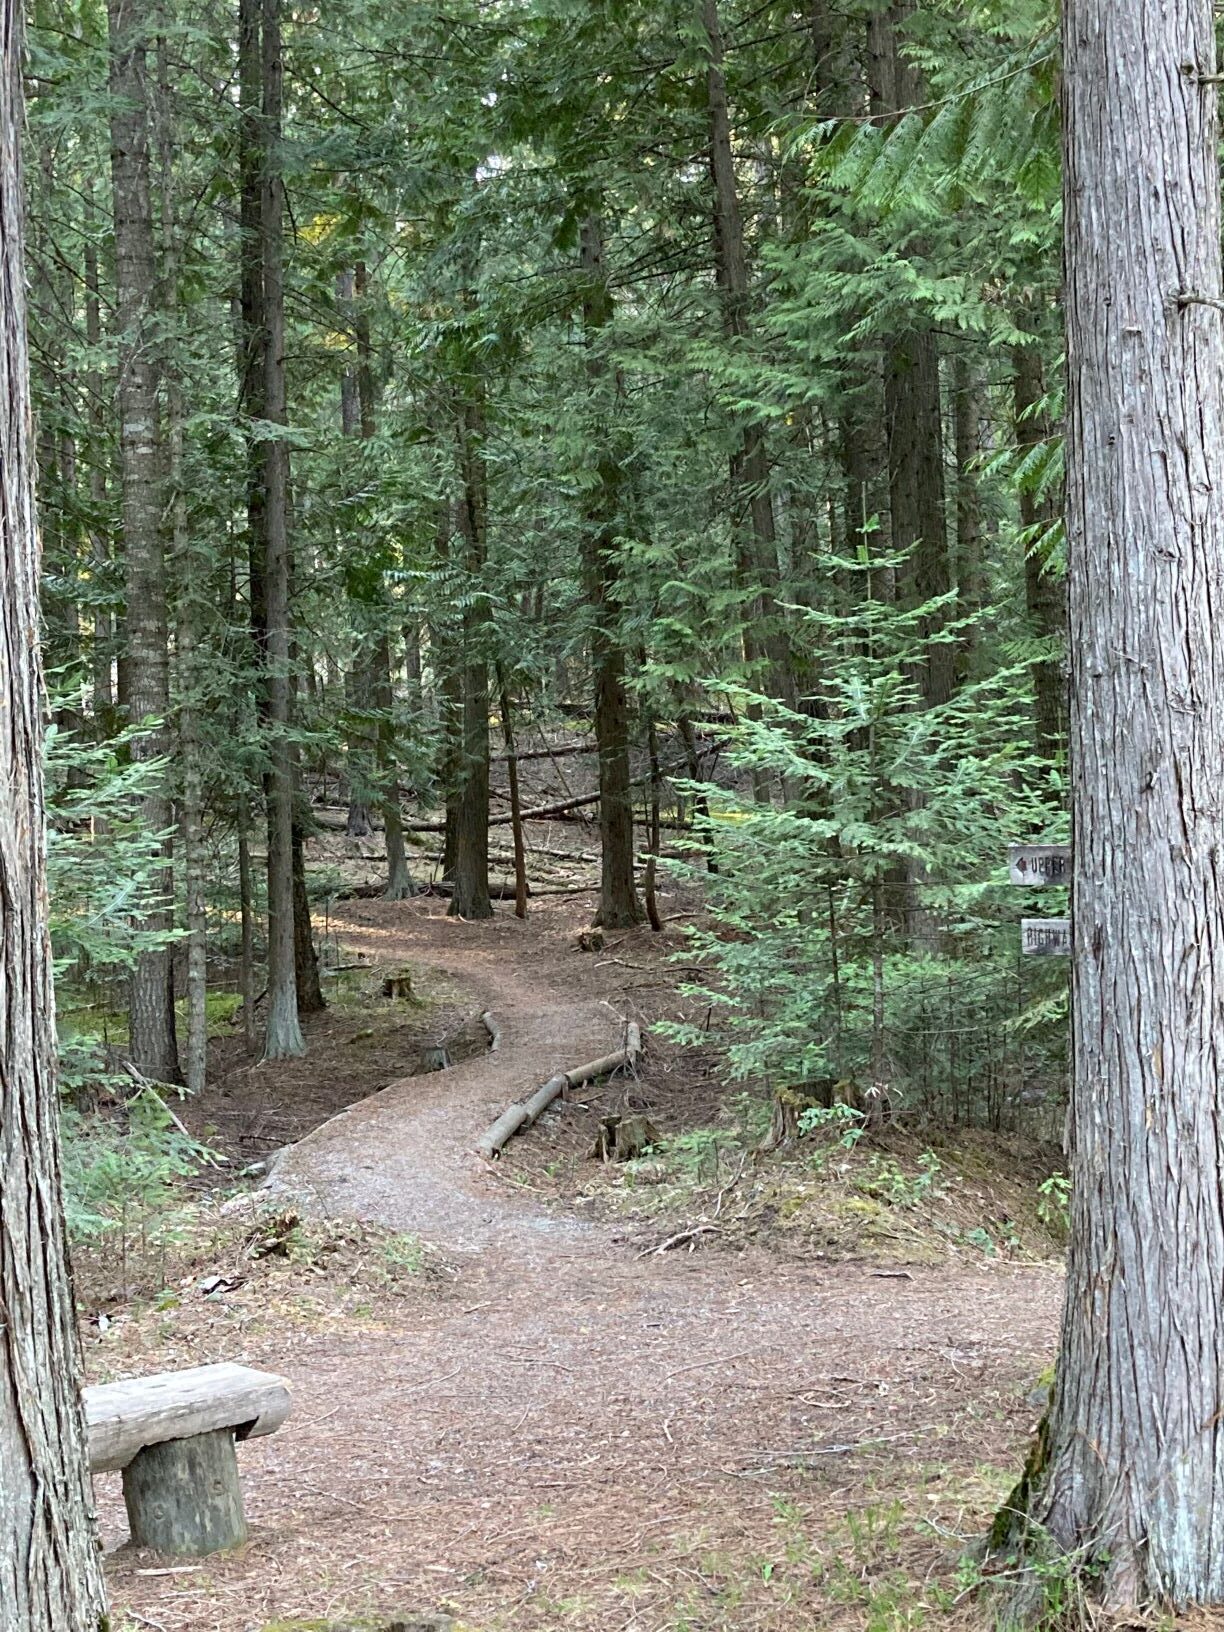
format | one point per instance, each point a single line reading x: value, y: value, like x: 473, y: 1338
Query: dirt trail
x: 404, y: 1157
x: 579, y: 1438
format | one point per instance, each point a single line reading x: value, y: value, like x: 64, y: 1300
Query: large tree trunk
x: 153, y: 1046
x: 618, y: 902
x: 50, y: 1564
x: 1134, y: 1476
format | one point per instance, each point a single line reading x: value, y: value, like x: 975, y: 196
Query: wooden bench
x: 173, y: 1436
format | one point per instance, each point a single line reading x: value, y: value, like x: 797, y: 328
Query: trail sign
x: 1045, y: 937
x: 1036, y: 865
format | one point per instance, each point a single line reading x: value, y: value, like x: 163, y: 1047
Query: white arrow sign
x: 1036, y: 865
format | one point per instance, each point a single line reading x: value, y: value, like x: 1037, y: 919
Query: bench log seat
x: 173, y: 1437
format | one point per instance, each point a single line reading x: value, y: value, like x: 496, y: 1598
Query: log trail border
x: 523, y: 1113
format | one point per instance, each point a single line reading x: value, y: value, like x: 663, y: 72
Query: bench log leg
x: 183, y: 1497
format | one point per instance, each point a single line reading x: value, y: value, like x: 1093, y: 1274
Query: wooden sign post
x: 1035, y: 867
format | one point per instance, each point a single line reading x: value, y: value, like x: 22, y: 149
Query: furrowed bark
x: 283, y: 1036
x: 50, y: 1563
x: 153, y: 1045
x: 1134, y: 1478
x: 618, y: 902
x: 471, y: 817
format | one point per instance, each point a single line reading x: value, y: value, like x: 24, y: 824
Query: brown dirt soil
x: 537, y: 1425
x: 360, y: 1043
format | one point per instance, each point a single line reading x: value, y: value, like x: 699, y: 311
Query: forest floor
x: 509, y: 1405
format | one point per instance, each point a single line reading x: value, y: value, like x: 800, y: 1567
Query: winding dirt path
x: 580, y: 1439
x: 404, y: 1157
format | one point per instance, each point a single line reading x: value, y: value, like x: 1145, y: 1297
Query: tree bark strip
x: 50, y: 1562
x: 766, y: 644
x: 618, y: 902
x: 283, y: 1035
x: 153, y: 1043
x: 1134, y: 1470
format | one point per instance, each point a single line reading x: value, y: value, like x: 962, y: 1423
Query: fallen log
x: 543, y: 1097
x: 549, y: 753
x: 540, y: 812
x: 505, y: 892
x: 522, y: 1115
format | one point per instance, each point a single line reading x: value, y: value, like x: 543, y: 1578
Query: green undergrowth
x: 266, y: 1270
x: 230, y: 1252
x: 376, y: 1623
x: 131, y: 1167
x: 76, y: 1018
x: 909, y: 1196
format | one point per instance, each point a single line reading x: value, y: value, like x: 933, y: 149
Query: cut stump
x: 624, y: 1138
x: 399, y: 984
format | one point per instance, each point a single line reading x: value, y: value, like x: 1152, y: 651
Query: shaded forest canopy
x: 426, y: 394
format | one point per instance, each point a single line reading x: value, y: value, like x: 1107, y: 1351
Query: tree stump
x: 623, y: 1138
x: 183, y: 1497
x: 399, y: 984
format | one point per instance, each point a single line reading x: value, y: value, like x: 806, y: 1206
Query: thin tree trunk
x: 471, y: 829
x: 283, y: 1036
x: 968, y: 408
x: 1044, y: 594
x: 359, y: 735
x: 359, y: 750
x: 50, y: 1560
x: 765, y: 638
x: 189, y: 570
x: 400, y: 886
x: 618, y: 902
x: 153, y: 1044
x: 1133, y: 1476
x: 913, y: 411
x: 516, y: 808
x: 102, y: 649
x: 359, y: 416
